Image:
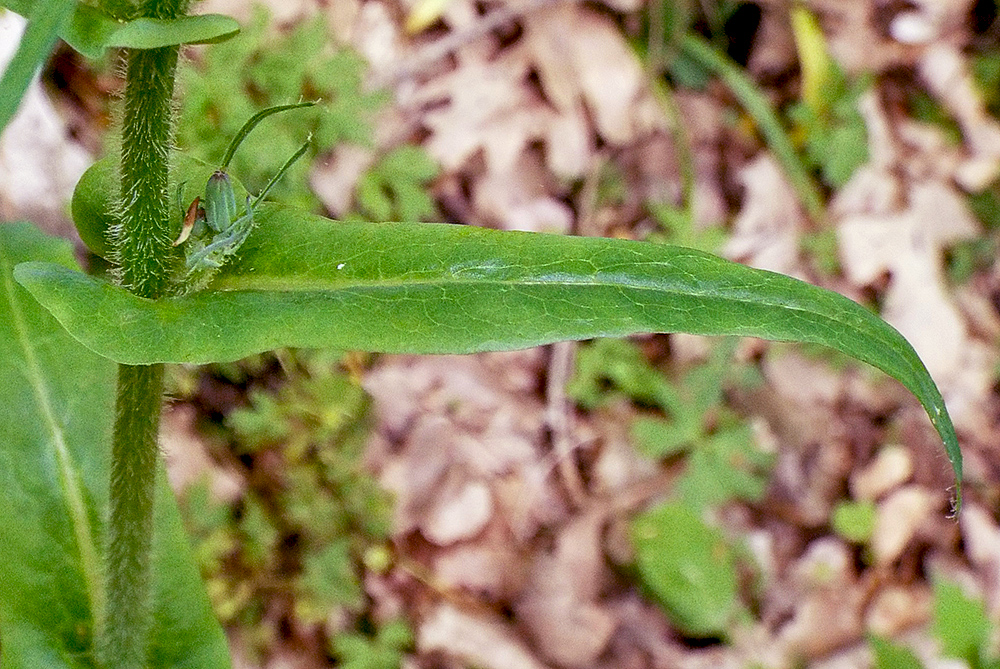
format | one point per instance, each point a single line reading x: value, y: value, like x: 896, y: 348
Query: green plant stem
x: 144, y: 242
x: 130, y: 530
x: 145, y: 264
x: 143, y: 248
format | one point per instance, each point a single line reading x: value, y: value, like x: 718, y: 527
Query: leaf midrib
x: 68, y: 478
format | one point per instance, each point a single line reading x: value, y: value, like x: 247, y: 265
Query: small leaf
x: 688, y: 566
x: 855, y: 521
x: 960, y: 622
x: 889, y: 655
x: 723, y: 467
x: 90, y: 31
x: 156, y: 33
x: 55, y: 436
x: 328, y: 579
x: 658, y: 438
x: 304, y: 281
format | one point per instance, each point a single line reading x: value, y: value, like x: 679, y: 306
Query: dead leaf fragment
x: 766, y: 232
x: 559, y: 606
x: 477, y: 640
x: 581, y: 56
x: 897, y: 608
x: 827, y: 613
x: 892, y: 467
x: 461, y: 510
x: 898, y: 520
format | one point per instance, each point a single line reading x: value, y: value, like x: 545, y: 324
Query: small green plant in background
x: 689, y: 567
x: 395, y: 187
x: 827, y: 119
x: 961, y: 627
x: 383, y: 650
x: 854, y: 520
x: 834, y: 136
x: 677, y: 228
x: 260, y: 68
x: 310, y: 512
x: 890, y: 655
x: 723, y: 462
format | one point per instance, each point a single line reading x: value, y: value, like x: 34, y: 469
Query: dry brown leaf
x: 898, y: 519
x: 815, y: 455
x: 581, y: 57
x: 376, y: 36
x: 519, y: 198
x: 559, y: 606
x: 469, y: 430
x: 334, y: 180
x: 483, y: 104
x: 477, y: 640
x: 413, y: 475
x: 488, y: 101
x: 892, y: 467
x: 188, y: 461
x: 766, y: 232
x: 774, y: 49
x: 896, y: 608
x: 946, y: 73
x: 530, y: 501
x: 898, y: 225
x: 460, y: 511
x: 828, y: 601
x: 492, y: 566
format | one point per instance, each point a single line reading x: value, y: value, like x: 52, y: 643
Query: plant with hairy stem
x: 104, y: 529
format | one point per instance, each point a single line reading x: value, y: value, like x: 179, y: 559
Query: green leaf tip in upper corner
x: 305, y: 281
x: 91, y: 31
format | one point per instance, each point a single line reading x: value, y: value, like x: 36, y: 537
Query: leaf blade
x: 305, y: 281
x: 91, y: 31
x: 53, y: 482
x: 149, y: 33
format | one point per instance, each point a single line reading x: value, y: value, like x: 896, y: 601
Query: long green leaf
x: 305, y: 281
x: 56, y: 415
x: 688, y: 567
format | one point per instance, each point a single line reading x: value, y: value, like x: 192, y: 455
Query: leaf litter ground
x: 508, y: 543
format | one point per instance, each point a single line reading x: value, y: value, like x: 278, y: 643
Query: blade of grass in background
x: 47, y: 20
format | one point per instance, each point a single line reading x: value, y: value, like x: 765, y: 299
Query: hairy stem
x: 143, y: 244
x: 145, y: 263
x: 130, y: 529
